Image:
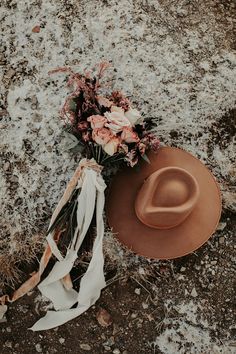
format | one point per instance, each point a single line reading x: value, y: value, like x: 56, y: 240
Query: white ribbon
x: 93, y: 281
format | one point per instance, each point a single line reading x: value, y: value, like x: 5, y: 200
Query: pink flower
x: 112, y: 146
x: 101, y: 135
x: 82, y: 126
x: 129, y: 136
x: 116, y: 120
x: 97, y: 121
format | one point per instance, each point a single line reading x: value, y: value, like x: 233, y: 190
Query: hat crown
x: 166, y: 198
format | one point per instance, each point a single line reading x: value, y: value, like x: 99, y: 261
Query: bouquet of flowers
x: 108, y: 128
x: 108, y: 131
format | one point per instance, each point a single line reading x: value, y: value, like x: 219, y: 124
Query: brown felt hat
x: 167, y: 208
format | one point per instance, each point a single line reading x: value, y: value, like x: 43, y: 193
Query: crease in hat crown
x: 166, y: 198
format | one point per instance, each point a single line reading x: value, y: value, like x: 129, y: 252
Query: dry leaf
x: 104, y: 318
x: 36, y: 29
x: 3, y: 310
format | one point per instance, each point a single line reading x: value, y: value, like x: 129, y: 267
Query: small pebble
x: 85, y: 347
x: 116, y: 351
x: 221, y: 240
x: 10, y: 73
x: 134, y: 315
x: 144, y: 305
x: 62, y: 340
x: 8, y: 344
x: 141, y: 271
x: 8, y: 329
x: 6, y: 166
x: 137, y: 291
x: 38, y: 348
x: 109, y: 342
x: 194, y: 292
x: 221, y: 226
x: 213, y: 262
x: 107, y: 348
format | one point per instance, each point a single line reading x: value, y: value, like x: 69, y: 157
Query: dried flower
x: 97, y: 121
x: 142, y: 148
x: 104, y: 101
x: 151, y: 141
x: 116, y: 121
x: 120, y: 100
x: 112, y: 146
x: 123, y: 148
x: 117, y: 109
x: 86, y: 136
x: 82, y: 126
x: 129, y: 136
x: 132, y: 158
x: 134, y: 116
x: 101, y: 136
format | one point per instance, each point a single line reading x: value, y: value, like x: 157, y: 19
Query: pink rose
x: 101, y: 135
x: 129, y: 136
x: 116, y: 120
x: 112, y: 146
x: 97, y: 121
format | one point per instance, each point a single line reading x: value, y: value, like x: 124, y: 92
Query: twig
x: 140, y: 285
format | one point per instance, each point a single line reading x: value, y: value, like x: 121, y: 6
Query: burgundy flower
x: 82, y: 126
x: 120, y: 100
x: 132, y: 158
x: 151, y: 141
x: 86, y: 136
x: 155, y: 144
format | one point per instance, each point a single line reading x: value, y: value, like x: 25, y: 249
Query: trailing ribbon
x: 58, y: 286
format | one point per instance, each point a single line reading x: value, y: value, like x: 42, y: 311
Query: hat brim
x: 163, y: 244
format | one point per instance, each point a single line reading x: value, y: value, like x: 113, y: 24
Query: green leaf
x: 144, y: 156
x: 69, y: 142
x: 72, y: 105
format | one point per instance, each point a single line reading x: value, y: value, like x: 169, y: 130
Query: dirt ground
x: 197, y: 318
